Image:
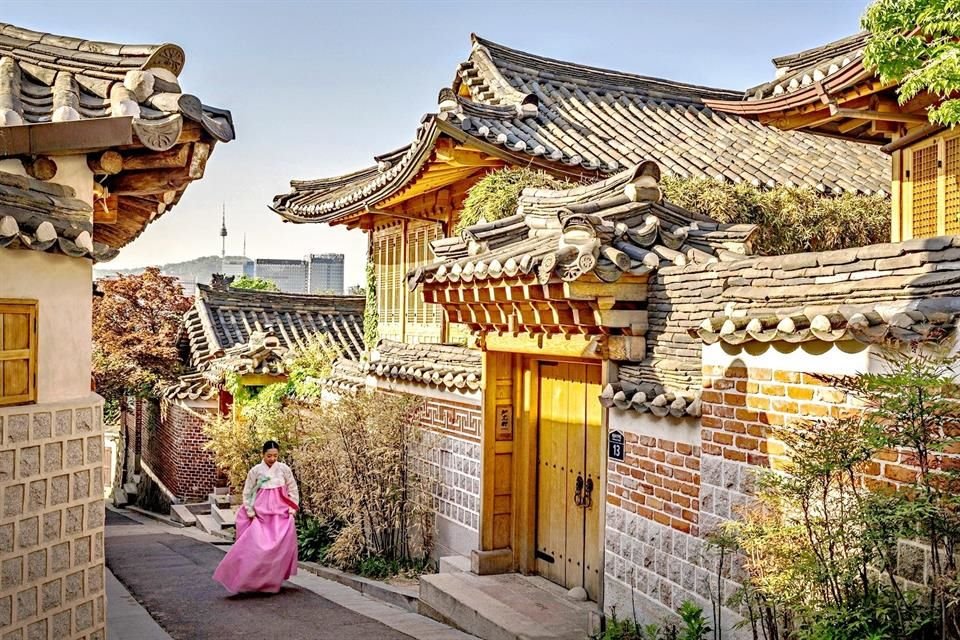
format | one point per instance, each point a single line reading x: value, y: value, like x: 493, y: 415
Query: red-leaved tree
x: 135, y: 327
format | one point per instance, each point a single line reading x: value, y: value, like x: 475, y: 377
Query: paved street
x: 170, y: 575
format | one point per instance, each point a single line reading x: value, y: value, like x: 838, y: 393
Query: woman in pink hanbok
x: 265, y: 551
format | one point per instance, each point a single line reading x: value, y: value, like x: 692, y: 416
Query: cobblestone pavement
x: 170, y: 575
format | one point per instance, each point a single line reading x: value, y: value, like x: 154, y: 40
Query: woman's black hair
x: 271, y: 444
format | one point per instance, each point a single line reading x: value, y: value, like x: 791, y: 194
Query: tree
x: 135, y: 328
x: 915, y: 43
x: 255, y: 284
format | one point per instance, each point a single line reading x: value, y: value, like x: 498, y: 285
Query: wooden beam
x: 40, y: 167
x: 77, y: 136
x: 572, y: 346
x: 105, y: 210
x: 869, y: 114
x: 174, y: 158
x: 107, y: 163
x: 149, y: 182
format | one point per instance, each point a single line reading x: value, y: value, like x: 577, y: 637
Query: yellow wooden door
x: 569, y: 542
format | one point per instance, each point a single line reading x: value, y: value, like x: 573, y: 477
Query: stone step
x: 131, y: 488
x: 219, y: 500
x: 453, y: 564
x: 209, y: 524
x: 505, y: 607
x: 180, y: 513
x: 224, y: 517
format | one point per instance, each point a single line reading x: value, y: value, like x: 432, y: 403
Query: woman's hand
x: 291, y: 512
x: 251, y: 513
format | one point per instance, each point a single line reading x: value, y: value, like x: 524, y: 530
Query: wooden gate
x: 570, y: 495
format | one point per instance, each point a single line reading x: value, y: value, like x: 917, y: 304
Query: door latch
x: 588, y: 494
x: 578, y: 492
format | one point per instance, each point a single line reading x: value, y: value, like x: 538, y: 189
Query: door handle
x: 578, y: 492
x: 588, y: 494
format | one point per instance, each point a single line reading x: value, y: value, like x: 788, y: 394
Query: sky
x: 318, y: 88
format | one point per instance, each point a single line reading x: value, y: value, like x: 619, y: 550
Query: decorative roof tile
x: 46, y: 216
x: 799, y: 70
x: 579, y: 120
x: 49, y: 78
x: 438, y: 365
x: 615, y: 226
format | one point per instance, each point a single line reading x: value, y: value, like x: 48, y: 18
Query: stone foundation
x: 52, y: 521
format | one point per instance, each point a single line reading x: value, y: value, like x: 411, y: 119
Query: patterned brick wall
x: 658, y: 480
x: 172, y: 446
x: 51, y: 522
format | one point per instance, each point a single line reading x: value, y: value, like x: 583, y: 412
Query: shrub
x: 314, y: 537
x: 791, y: 219
x: 496, y: 195
x: 355, y: 463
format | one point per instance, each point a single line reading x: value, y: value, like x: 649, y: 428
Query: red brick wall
x: 659, y: 480
x: 741, y: 407
x: 172, y: 443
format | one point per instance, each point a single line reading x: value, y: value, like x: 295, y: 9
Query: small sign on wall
x: 615, y: 445
x: 505, y: 422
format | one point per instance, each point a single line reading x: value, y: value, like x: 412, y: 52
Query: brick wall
x: 172, y: 441
x: 658, y: 480
x: 51, y: 522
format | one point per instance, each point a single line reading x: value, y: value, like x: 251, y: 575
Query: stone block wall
x: 52, y: 521
x: 449, y: 462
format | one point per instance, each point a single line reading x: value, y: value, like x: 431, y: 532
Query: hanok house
x: 510, y: 108
x: 96, y: 140
x: 227, y: 332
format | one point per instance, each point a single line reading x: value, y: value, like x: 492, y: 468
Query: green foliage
x: 381, y: 568
x: 496, y: 195
x: 255, y: 284
x: 371, y: 317
x: 262, y: 413
x: 791, y: 220
x: 314, y: 537
x: 693, y: 626
x: 915, y: 43
x: 820, y: 550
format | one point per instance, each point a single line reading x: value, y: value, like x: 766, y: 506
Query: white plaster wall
x: 62, y: 286
x: 685, y: 430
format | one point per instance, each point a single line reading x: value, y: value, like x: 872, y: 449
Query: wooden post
x: 107, y: 163
x: 40, y: 167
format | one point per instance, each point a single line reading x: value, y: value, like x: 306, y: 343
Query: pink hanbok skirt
x: 265, y: 551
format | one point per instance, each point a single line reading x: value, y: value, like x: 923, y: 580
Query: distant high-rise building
x: 325, y: 273
x: 289, y: 275
x: 238, y: 266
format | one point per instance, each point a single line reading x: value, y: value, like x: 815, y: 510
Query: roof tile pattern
x: 251, y: 331
x: 46, y: 216
x: 50, y: 78
x: 582, y: 119
x: 438, y: 365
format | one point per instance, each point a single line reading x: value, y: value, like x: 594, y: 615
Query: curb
x: 153, y: 516
x: 405, y: 598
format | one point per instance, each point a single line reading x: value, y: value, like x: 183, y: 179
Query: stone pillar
x: 52, y: 521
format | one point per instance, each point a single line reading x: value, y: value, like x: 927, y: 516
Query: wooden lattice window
x: 18, y: 351
x: 388, y: 267
x: 952, y: 186
x: 925, y: 192
x: 423, y: 320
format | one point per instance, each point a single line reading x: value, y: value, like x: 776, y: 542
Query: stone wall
x: 52, y: 521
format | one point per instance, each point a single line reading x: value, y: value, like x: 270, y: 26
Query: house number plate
x: 615, y: 445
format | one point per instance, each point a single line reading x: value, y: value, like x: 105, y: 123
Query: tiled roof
x: 51, y: 78
x: 802, y: 69
x: 872, y: 324
x: 615, y: 226
x: 437, y: 365
x: 632, y: 392
x: 247, y: 331
x: 574, y: 119
x: 345, y: 375
x: 46, y: 216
